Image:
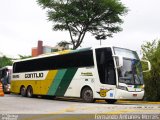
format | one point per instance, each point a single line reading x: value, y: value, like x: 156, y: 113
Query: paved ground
x: 15, y: 104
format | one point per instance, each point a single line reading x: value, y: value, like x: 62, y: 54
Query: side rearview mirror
x: 148, y: 65
x: 119, y: 60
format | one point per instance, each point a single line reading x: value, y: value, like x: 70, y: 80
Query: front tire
x: 87, y: 95
x: 30, y: 92
x: 111, y: 101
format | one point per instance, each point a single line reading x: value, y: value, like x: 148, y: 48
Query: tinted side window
x: 77, y: 59
x: 105, y: 66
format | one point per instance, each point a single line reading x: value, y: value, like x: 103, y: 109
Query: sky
x: 24, y: 22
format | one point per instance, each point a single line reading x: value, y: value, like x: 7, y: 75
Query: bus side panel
x: 40, y: 87
x: 16, y: 85
x: 47, y: 83
x: 65, y: 81
x: 55, y: 83
x: 61, y: 82
x: 83, y: 77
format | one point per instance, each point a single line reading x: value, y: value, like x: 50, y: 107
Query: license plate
x: 134, y: 95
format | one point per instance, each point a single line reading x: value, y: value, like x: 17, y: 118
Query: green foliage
x: 151, y: 51
x: 4, y: 61
x: 24, y: 56
x: 99, y: 17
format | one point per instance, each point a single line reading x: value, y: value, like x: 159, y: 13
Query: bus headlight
x: 122, y: 88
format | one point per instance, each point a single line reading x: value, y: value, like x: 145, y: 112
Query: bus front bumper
x: 122, y: 94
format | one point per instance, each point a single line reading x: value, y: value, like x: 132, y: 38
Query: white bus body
x: 108, y: 73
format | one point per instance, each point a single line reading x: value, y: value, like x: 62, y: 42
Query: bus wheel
x: 111, y: 101
x: 87, y: 95
x: 30, y: 91
x: 23, y: 91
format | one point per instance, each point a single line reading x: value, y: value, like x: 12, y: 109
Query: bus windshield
x: 131, y: 71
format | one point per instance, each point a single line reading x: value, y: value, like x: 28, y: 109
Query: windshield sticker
x: 111, y: 94
x: 138, y: 86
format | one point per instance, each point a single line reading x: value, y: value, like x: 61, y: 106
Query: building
x: 40, y: 49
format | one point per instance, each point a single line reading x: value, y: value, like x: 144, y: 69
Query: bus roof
x: 65, y: 52
x: 54, y: 54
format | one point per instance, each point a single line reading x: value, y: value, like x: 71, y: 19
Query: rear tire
x: 30, y: 92
x: 111, y: 101
x: 23, y: 91
x: 87, y: 95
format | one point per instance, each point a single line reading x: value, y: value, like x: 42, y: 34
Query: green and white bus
x: 108, y: 73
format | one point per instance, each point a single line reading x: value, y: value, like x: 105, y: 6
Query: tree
x: 64, y: 44
x: 99, y: 17
x: 4, y: 61
x: 151, y: 52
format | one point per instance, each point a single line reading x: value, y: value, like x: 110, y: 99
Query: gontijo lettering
x: 34, y: 75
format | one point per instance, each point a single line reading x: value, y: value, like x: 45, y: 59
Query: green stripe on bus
x: 65, y: 82
x: 55, y: 84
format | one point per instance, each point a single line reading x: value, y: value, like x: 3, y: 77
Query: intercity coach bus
x: 108, y: 73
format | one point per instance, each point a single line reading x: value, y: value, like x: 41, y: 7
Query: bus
x: 107, y: 73
x: 5, y: 78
